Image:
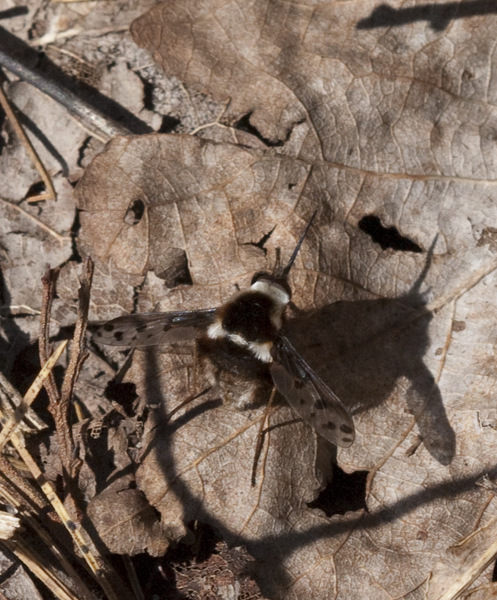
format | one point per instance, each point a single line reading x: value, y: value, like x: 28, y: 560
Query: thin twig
x: 49, y: 38
x: 14, y: 478
x: 10, y: 399
x: 47, y: 180
x: 60, y: 238
x: 78, y: 351
x: 95, y: 563
x: 183, y: 404
x: 53, y: 544
x: 88, y: 115
x: 9, y: 309
x: 59, y: 507
x: 53, y: 583
x: 59, y: 412
x: 69, y: 53
x: 59, y: 407
x: 135, y: 584
x: 49, y: 280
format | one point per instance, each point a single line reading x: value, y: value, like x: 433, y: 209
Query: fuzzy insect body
x: 244, y: 351
x: 236, y: 348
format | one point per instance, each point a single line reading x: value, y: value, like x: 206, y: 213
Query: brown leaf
x: 126, y: 522
x: 222, y: 574
x: 393, y: 132
x: 148, y: 196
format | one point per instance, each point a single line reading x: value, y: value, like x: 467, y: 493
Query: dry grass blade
x: 50, y: 193
x: 58, y: 506
x: 60, y: 238
x: 476, y: 556
x: 53, y: 583
x: 30, y: 396
x: 32, y: 522
x: 9, y: 524
x: 135, y: 584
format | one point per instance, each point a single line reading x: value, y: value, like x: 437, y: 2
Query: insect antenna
x: 284, y: 272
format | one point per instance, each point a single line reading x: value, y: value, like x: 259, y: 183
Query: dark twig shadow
x: 13, y: 340
x: 438, y: 15
x: 360, y: 349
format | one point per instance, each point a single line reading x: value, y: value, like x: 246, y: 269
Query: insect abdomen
x: 240, y: 377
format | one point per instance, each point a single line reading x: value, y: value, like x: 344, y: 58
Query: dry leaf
x: 398, y: 123
x: 125, y: 521
x: 148, y: 199
x: 384, y: 350
x: 222, y: 576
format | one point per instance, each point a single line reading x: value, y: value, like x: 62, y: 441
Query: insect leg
x: 260, y: 436
x: 183, y: 404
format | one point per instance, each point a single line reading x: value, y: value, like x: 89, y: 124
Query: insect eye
x: 260, y: 275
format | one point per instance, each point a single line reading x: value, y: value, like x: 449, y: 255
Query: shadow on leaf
x: 438, y: 15
x: 362, y: 349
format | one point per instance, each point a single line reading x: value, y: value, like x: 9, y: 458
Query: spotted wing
x: 154, y: 329
x: 309, y: 396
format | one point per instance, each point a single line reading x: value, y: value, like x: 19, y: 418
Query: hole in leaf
x: 244, y: 124
x: 387, y: 237
x: 122, y: 393
x: 135, y: 212
x: 262, y: 242
x: 148, y: 94
x: 175, y: 269
x: 85, y: 146
x: 346, y: 492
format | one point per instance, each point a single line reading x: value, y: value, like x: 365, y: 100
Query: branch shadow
x: 271, y: 549
x: 386, y: 337
x: 50, y: 148
x: 438, y: 15
x: 12, y: 339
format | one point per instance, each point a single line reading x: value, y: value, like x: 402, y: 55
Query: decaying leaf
x: 396, y: 125
x: 126, y: 522
x: 463, y: 563
x: 223, y: 575
x: 147, y: 196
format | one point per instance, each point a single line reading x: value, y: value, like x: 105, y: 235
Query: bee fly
x: 244, y: 350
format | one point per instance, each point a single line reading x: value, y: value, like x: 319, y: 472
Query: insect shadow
x: 361, y: 349
x: 352, y: 345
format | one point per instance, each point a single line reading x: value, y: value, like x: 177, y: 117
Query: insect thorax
x: 236, y: 351
x: 249, y: 315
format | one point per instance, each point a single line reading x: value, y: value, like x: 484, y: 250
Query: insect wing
x: 309, y: 396
x: 154, y: 329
